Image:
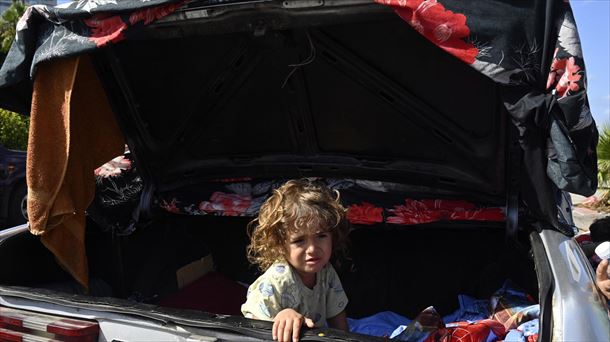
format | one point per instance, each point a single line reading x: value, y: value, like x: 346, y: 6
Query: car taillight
x: 20, y: 325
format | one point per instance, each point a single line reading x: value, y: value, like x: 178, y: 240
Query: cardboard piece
x: 187, y: 274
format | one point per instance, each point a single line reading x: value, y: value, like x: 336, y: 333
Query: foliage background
x: 8, y: 24
x: 13, y: 127
x: 14, y: 130
x: 603, y: 156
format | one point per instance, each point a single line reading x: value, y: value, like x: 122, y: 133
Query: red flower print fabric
x: 151, y: 14
x: 228, y: 204
x: 483, y: 214
x: 105, y: 30
x: 564, y: 76
x: 426, y: 211
x: 113, y: 168
x: 244, y: 198
x: 110, y: 29
x: 414, y: 212
x: 364, y: 213
x: 171, y: 206
x: 444, y: 28
x: 118, y: 188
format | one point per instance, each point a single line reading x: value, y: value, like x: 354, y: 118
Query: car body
x: 13, y: 189
x: 221, y: 101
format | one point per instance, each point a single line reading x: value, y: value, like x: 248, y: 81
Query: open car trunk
x: 273, y: 90
x: 264, y: 94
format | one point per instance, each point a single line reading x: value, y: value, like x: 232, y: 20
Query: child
x: 293, y: 239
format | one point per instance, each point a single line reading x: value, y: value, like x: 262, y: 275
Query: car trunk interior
x: 401, y: 269
x: 355, y: 96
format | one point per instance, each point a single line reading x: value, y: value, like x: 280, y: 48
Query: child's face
x: 308, y: 253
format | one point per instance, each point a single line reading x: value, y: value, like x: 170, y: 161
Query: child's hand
x: 288, y: 323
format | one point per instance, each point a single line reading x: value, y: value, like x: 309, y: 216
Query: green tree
x: 603, y: 156
x: 13, y: 127
x: 14, y: 130
x: 8, y: 24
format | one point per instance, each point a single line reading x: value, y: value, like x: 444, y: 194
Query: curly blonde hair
x: 302, y: 205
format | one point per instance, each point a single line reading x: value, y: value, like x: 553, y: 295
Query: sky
x: 593, y: 22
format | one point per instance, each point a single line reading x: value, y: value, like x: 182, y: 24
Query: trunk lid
x: 333, y: 91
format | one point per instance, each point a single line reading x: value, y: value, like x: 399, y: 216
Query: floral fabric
x: 245, y: 197
x: 72, y: 28
x: 542, y: 78
x: 118, y: 189
x: 441, y: 26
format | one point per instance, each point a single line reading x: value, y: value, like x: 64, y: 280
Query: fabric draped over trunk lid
x: 72, y: 131
x: 531, y: 49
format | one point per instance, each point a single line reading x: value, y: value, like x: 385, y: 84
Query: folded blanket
x: 72, y: 131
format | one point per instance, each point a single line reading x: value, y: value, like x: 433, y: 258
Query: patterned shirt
x: 280, y: 287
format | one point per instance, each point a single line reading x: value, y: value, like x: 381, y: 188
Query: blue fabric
x: 492, y: 337
x: 523, y: 331
x: 380, y: 324
x: 471, y: 309
x: 515, y: 335
x: 530, y: 328
x: 390, y: 324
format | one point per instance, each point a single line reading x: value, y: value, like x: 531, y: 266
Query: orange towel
x: 72, y: 131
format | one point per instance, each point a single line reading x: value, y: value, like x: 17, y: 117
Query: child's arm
x: 287, y: 325
x: 339, y: 321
